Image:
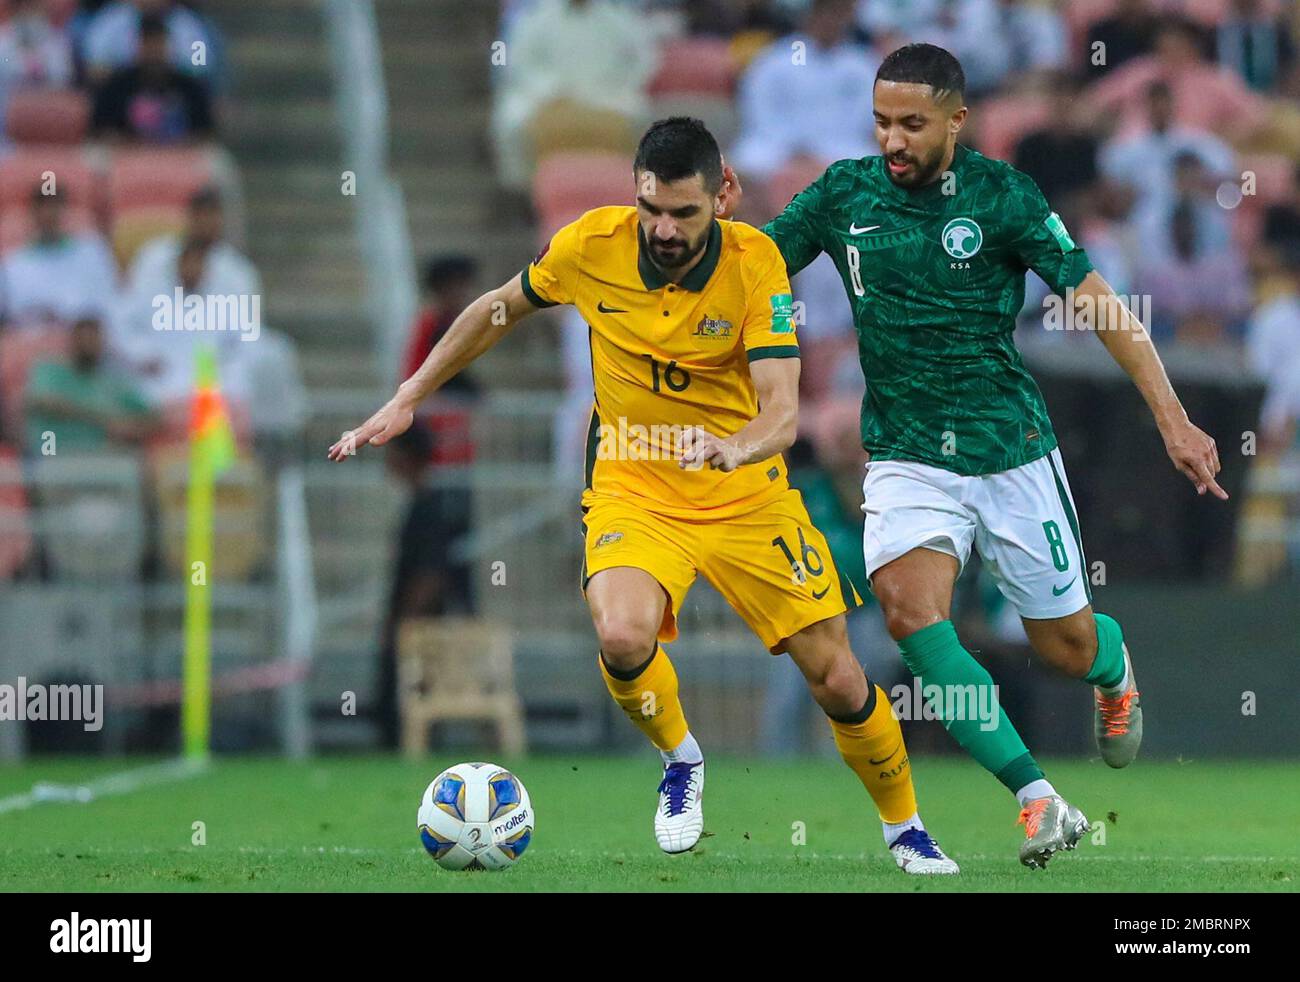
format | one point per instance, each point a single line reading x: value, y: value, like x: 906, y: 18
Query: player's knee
x: 626, y: 641
x: 904, y: 619
x: 842, y: 689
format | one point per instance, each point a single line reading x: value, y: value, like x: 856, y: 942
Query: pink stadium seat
x: 792, y: 178
x: 15, y: 524
x: 153, y: 178
x: 47, y: 116
x: 16, y: 225
x: 20, y: 348
x: 695, y: 66
x: 26, y: 167
x: 61, y: 11
x: 568, y: 184
x: 1003, y: 121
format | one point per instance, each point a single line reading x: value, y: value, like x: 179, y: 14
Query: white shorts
x: 1021, y: 521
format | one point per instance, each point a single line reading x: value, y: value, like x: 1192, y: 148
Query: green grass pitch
x: 348, y: 823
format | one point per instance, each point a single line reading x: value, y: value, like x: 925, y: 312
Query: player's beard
x: 923, y: 172
x: 681, y: 254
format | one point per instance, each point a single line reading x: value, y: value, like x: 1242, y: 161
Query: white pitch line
x: 117, y: 783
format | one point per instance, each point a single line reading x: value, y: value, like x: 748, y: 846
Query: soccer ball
x: 475, y: 816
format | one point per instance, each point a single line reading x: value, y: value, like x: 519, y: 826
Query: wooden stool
x: 456, y: 668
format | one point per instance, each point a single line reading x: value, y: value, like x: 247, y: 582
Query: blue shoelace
x: 677, y: 778
x: 919, y: 840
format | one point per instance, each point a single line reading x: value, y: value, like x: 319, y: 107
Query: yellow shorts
x: 773, y: 566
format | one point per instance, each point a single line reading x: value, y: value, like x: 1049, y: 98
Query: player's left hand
x: 731, y: 193
x: 700, y: 447
x: 1194, y: 453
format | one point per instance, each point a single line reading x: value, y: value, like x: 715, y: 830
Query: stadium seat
x: 15, y: 517
x: 694, y: 66
x: 456, y: 668
x: 1003, y: 121
x: 134, y: 227
x: 240, y: 504
x: 29, y: 165
x: 568, y: 184
x: 563, y: 127
x: 155, y: 178
x: 20, y: 348
x: 91, y: 521
x: 48, y: 116
x: 793, y: 177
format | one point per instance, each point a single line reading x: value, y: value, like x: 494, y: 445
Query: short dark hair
x: 208, y: 196
x: 924, y: 64
x: 442, y: 271
x: 679, y: 147
x: 153, y: 25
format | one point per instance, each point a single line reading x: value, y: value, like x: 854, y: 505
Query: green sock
x: 936, y: 657
x: 1108, y: 667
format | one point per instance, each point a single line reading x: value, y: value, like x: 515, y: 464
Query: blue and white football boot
x: 916, y: 853
x: 679, y: 821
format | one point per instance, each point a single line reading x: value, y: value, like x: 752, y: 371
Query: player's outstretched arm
x: 1192, y: 450
x: 776, y: 381
x: 481, y: 325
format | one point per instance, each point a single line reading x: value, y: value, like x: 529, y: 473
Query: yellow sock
x: 650, y: 700
x: 875, y: 750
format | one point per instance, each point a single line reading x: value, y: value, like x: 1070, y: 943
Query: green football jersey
x: 936, y: 277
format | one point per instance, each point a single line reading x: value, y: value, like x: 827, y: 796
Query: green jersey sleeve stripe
x: 773, y: 351
x: 533, y: 296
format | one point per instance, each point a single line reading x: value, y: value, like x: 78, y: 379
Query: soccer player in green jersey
x: 932, y: 241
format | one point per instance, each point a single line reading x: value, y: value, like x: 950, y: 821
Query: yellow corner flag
x: 212, y: 450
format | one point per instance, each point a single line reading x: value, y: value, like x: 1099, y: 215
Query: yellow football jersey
x: 667, y: 357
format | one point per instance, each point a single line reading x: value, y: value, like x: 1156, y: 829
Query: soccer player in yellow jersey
x: 696, y: 366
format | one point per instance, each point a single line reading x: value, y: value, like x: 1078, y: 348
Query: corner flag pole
x: 211, y: 451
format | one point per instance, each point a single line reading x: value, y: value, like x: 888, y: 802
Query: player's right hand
x: 729, y: 197
x: 392, y: 420
x: 1194, y: 453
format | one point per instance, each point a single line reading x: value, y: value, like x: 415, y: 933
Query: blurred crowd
x: 120, y: 218
x: 1166, y: 133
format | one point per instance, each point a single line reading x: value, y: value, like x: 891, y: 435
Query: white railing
x: 361, y: 99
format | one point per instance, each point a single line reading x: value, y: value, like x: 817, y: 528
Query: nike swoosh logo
x: 854, y: 230
x: 887, y: 756
x: 818, y: 596
x: 1057, y: 591
x: 609, y: 310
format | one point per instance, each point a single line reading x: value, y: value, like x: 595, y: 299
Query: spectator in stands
x: 1192, y: 270
x: 1128, y: 33
x: 151, y: 100
x: 1254, y: 42
x: 84, y: 403
x: 201, y: 262
x: 1143, y: 161
x: 1282, y: 221
x: 1273, y: 351
x: 57, y: 275
x: 571, y: 57
x: 113, y: 37
x: 808, y: 95
x: 449, y: 288
x: 1031, y: 36
x: 34, y: 53
x: 427, y: 580
x: 1061, y: 157
x: 1205, y: 96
